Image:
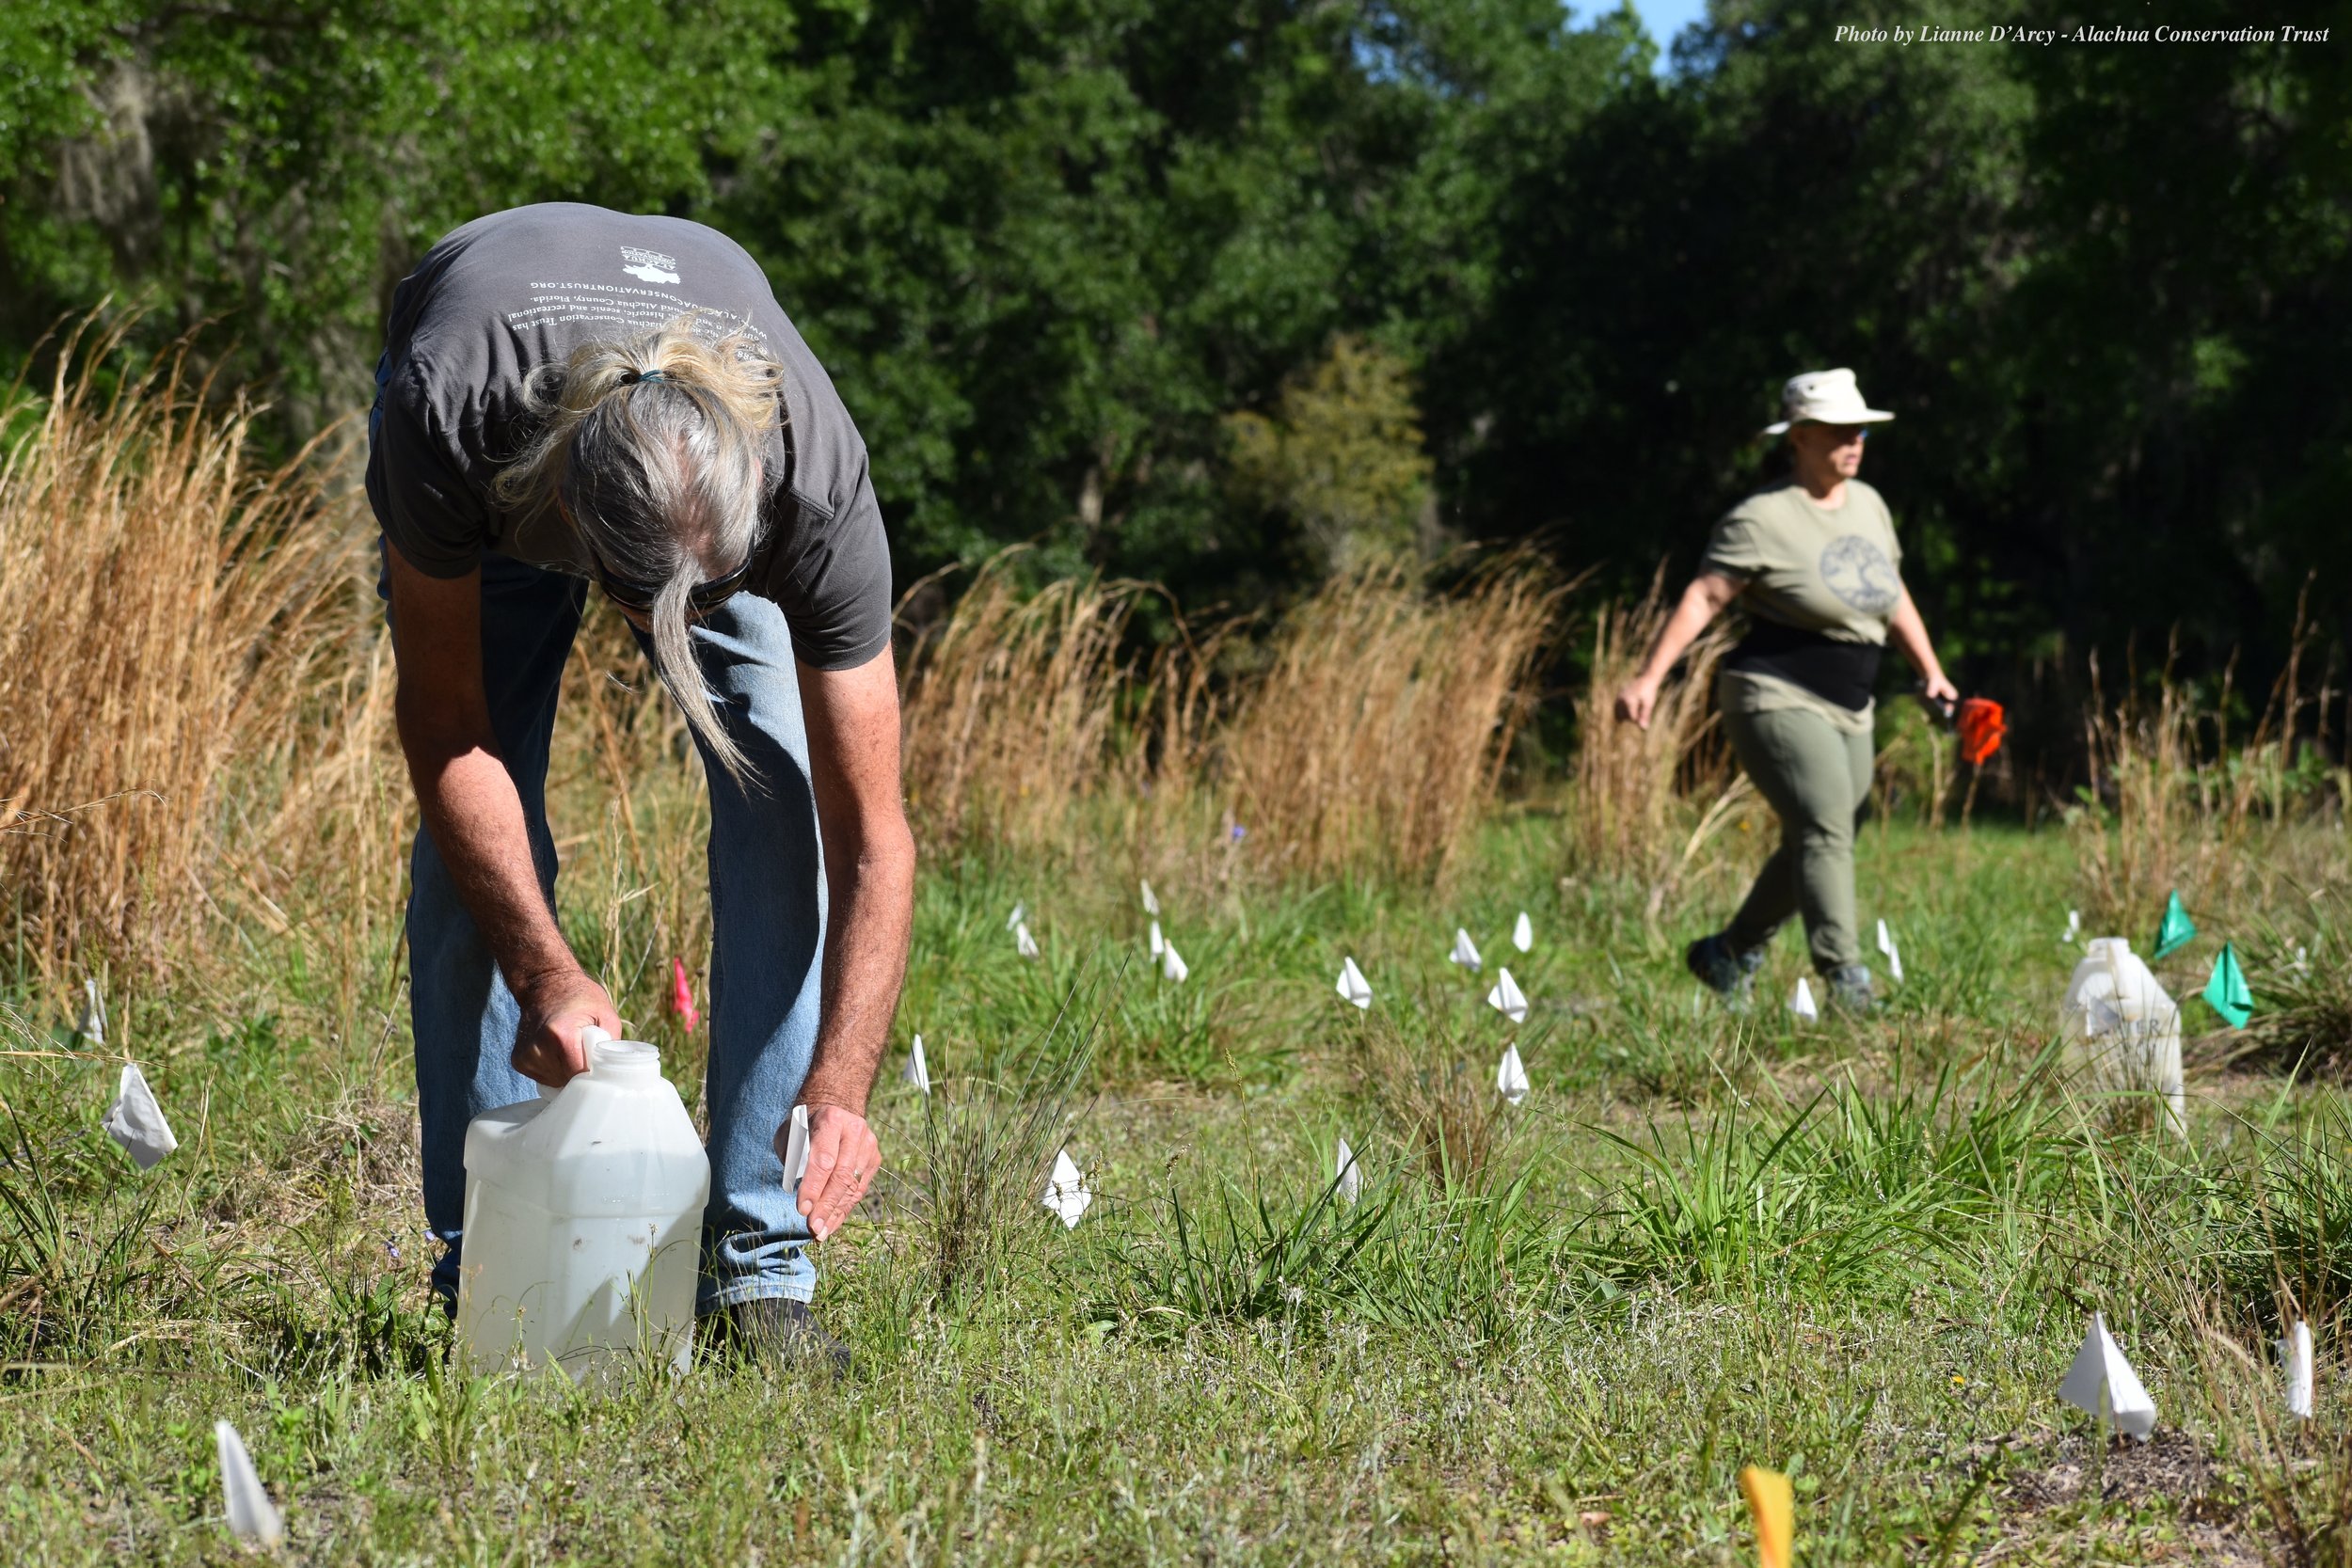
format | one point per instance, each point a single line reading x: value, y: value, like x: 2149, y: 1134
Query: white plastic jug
x: 583, y: 1221
x: 2119, y: 1023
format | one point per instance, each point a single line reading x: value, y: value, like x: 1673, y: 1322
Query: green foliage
x: 275, y: 169
x: 1342, y: 454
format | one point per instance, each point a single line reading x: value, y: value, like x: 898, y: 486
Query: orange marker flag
x: 1775, y: 1509
x: 682, y: 995
x: 1982, y: 723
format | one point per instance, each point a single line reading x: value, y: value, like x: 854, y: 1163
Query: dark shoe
x: 773, y: 1328
x: 1849, y: 989
x: 1731, y: 975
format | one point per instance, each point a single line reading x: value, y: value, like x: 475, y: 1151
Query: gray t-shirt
x: 509, y: 292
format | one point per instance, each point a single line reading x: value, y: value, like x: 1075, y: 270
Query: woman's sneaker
x: 1731, y: 975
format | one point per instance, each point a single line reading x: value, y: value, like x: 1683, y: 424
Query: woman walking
x: 1815, y: 563
x: 573, y: 397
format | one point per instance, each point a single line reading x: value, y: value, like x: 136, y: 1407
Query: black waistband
x: 1842, y: 672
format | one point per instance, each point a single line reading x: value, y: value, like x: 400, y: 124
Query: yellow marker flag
x: 1775, y: 1509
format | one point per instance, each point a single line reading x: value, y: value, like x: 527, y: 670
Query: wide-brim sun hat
x: 1824, y: 397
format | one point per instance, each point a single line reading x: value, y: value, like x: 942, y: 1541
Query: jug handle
x: 591, y: 1036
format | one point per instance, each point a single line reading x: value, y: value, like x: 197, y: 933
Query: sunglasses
x: 640, y: 596
x: 1846, y: 433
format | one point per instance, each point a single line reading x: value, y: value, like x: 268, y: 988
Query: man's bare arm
x: 471, y: 809
x: 852, y: 722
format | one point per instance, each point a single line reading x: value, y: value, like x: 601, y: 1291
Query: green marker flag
x: 2227, y: 991
x: 2177, y: 931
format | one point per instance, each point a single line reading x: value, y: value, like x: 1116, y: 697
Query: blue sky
x: 1664, y: 19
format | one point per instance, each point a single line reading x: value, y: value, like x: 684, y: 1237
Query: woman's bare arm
x: 1701, y: 603
x: 1908, y: 632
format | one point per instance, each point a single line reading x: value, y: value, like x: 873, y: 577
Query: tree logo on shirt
x: 1858, y: 572
x: 650, y: 266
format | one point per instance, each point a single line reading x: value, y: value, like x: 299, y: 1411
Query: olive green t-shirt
x: 1835, y: 572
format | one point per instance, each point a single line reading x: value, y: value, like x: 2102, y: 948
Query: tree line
x: 1223, y: 294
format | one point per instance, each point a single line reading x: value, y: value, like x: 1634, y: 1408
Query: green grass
x: 1862, y: 1254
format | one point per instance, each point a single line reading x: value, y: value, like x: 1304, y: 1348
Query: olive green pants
x: 1817, y: 779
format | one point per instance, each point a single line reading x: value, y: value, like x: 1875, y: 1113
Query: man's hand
x: 555, y: 1010
x: 1942, y: 692
x: 842, y: 1160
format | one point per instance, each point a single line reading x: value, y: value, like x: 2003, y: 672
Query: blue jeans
x: 768, y: 917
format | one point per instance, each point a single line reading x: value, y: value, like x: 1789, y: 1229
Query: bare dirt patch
x: 2167, y: 1494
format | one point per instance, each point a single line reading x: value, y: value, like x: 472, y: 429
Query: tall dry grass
x: 1372, y: 737
x: 176, y: 619
x: 2172, y: 802
x: 1009, y: 708
x: 1375, y: 738
x: 1647, y: 801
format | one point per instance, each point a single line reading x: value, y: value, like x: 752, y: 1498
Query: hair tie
x: 633, y: 377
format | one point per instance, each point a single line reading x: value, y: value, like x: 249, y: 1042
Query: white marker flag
x: 1351, y: 1181
x: 92, y: 1027
x: 2074, y: 925
x: 251, y: 1515
x: 137, y: 1122
x: 1506, y: 998
x: 1066, y: 1192
x: 2296, y: 1350
x: 796, y: 1148
x: 1464, y: 951
x: 1511, y: 1076
x: 1151, y: 903
x: 1523, y: 934
x: 1172, y: 963
x: 1894, y: 953
x: 2102, y: 1382
x: 1801, y: 1003
x: 918, y: 1071
x: 1353, y: 986
x: 1022, y: 943
x: 1020, y: 913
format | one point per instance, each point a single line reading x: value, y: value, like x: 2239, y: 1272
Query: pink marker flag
x: 682, y: 995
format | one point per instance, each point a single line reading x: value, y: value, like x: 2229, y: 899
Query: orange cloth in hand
x: 1982, y: 723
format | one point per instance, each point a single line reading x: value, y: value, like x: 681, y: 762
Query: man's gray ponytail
x: 653, y: 447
